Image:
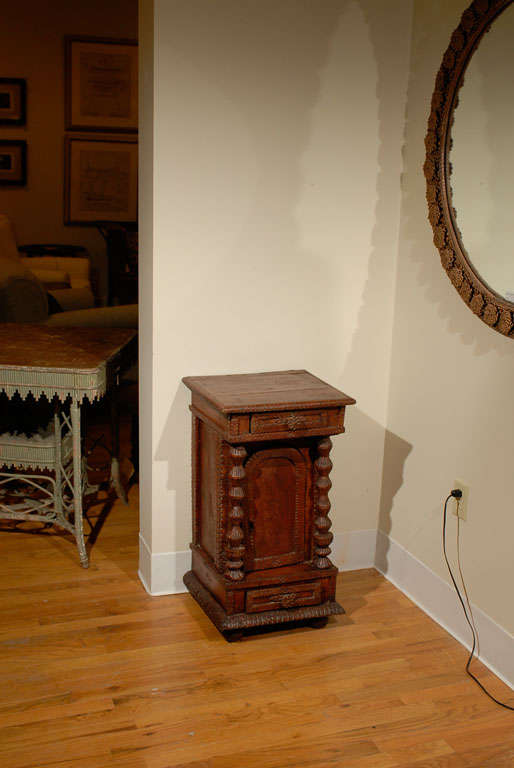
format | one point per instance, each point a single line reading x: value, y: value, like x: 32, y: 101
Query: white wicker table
x: 68, y: 364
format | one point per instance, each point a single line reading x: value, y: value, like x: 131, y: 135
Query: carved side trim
x: 220, y: 504
x: 195, y: 484
x: 235, y: 548
x: 496, y: 312
x: 322, y: 524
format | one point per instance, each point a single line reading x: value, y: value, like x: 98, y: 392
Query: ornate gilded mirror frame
x: 497, y: 312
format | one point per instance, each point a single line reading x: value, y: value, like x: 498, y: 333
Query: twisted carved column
x: 322, y: 524
x: 235, y: 548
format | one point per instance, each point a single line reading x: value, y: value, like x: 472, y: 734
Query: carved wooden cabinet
x: 261, y: 526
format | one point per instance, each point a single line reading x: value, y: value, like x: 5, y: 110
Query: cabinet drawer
x: 292, y: 421
x: 285, y: 596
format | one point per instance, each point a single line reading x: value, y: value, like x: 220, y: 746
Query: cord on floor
x: 456, y: 494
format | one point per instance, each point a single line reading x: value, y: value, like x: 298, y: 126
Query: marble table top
x: 59, y: 361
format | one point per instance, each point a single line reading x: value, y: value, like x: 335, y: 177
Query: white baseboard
x: 161, y: 573
x: 438, y: 599
x: 354, y: 550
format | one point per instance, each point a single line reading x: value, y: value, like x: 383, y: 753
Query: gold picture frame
x: 101, y: 84
x: 100, y: 179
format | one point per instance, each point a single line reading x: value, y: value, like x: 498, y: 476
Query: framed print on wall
x: 13, y: 163
x: 13, y: 101
x: 100, y: 179
x: 101, y: 84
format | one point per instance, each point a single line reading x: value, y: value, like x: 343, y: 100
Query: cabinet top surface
x: 273, y: 391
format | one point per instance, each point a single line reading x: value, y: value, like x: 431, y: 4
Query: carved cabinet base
x: 261, y: 526
x: 226, y: 622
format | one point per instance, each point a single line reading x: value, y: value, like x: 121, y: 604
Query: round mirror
x: 482, y: 158
x: 470, y: 161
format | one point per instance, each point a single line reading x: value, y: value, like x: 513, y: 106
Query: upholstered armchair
x: 65, y: 272
x: 24, y: 299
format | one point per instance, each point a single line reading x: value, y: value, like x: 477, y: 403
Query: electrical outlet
x: 460, y: 508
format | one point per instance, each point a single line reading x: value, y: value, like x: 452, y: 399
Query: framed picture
x: 13, y: 100
x: 13, y: 163
x: 101, y: 84
x: 100, y: 179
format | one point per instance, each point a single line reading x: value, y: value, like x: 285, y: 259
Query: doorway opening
x: 69, y: 280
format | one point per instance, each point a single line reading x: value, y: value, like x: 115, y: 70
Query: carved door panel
x: 276, y: 508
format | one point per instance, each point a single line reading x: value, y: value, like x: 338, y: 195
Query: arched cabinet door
x: 276, y: 497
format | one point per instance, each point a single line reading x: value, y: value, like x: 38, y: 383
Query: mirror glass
x: 482, y: 158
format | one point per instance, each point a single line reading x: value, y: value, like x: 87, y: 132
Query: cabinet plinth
x: 261, y: 482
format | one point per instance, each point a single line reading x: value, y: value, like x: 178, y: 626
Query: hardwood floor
x: 96, y: 673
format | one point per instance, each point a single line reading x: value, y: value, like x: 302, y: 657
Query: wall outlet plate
x: 460, y: 508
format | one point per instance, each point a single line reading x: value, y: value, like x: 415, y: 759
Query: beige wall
x: 287, y: 232
x: 277, y: 147
x: 451, y: 407
x: 32, y: 47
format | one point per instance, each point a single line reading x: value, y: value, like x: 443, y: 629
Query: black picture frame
x: 8, y: 176
x: 13, y: 89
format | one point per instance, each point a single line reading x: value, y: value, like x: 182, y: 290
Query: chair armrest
x: 124, y: 316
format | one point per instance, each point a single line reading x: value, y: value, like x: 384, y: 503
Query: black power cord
x: 457, y: 494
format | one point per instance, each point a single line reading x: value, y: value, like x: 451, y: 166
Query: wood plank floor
x: 96, y: 673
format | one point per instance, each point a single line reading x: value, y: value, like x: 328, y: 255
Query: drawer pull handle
x: 295, y: 422
x: 292, y: 422
x: 288, y: 599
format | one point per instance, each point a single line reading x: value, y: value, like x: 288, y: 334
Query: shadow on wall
x: 423, y: 290
x: 357, y: 459
x: 178, y: 462
x: 418, y: 262
x: 301, y: 211
x: 369, y: 359
x: 278, y: 60
x: 392, y: 57
x: 396, y: 452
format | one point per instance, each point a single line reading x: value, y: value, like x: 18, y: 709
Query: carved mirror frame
x: 494, y: 310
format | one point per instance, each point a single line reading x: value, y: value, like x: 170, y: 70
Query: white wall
x: 451, y: 405
x: 287, y: 232
x: 32, y: 47
x: 277, y: 134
